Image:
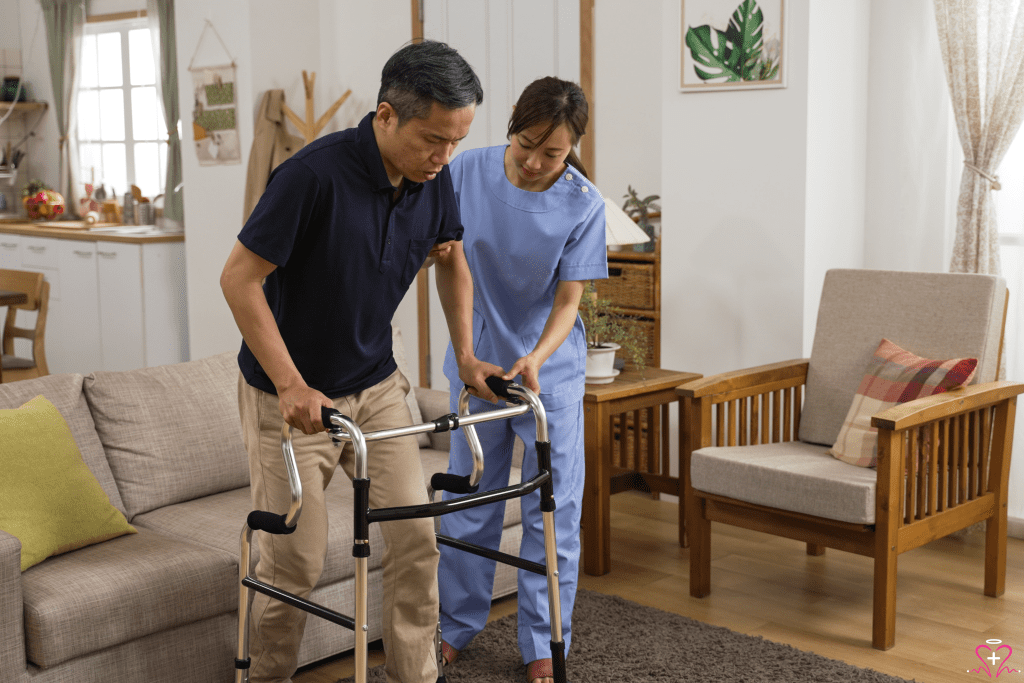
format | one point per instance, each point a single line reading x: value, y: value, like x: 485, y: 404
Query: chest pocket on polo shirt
x: 416, y: 254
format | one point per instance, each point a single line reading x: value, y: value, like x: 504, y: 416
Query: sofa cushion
x: 65, y: 393
x: 121, y: 590
x: 171, y: 433
x: 893, y: 376
x: 216, y: 522
x: 49, y: 498
x: 792, y: 476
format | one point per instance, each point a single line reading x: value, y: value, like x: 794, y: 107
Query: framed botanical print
x: 732, y: 45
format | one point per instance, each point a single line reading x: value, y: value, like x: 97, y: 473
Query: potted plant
x: 642, y: 210
x: 607, y: 334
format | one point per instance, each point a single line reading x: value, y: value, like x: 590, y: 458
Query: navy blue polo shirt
x: 346, y: 253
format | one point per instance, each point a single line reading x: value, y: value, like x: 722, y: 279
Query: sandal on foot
x: 449, y: 653
x: 539, y: 669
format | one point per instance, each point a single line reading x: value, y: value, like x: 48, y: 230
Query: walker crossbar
x: 463, y: 503
x: 342, y: 428
x: 300, y: 603
x: 497, y: 555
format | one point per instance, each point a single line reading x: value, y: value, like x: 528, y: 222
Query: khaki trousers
x: 295, y: 561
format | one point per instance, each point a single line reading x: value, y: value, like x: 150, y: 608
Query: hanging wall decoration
x: 215, y: 112
x: 732, y: 45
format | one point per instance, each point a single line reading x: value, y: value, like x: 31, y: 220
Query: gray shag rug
x: 618, y: 640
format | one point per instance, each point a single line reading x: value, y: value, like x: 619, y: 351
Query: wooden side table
x: 10, y: 299
x: 641, y: 403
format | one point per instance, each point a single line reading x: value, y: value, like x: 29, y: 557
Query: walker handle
x: 325, y: 416
x: 500, y: 387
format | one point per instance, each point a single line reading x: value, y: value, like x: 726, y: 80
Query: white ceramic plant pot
x: 601, y: 362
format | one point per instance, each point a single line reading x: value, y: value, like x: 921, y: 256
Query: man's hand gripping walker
x: 341, y: 428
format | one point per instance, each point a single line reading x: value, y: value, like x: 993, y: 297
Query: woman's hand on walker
x: 474, y: 374
x: 529, y: 368
x: 300, y: 407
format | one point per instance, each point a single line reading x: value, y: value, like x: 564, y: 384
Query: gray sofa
x: 161, y: 605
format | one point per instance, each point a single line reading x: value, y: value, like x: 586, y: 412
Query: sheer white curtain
x: 982, y: 44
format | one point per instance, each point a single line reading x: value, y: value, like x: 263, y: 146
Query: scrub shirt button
x: 584, y: 189
x: 568, y: 176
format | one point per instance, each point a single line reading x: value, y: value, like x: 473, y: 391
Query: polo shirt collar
x: 370, y: 153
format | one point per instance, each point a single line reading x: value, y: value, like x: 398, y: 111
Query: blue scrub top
x: 519, y: 244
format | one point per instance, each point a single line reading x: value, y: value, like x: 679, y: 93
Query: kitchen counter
x: 133, y: 234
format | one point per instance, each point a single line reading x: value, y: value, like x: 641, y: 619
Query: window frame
x: 123, y: 24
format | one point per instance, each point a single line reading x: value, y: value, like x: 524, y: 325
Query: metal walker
x: 341, y: 428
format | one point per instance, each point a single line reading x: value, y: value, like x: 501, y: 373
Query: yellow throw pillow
x: 49, y: 499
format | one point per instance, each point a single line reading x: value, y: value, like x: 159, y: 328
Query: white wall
x: 837, y: 143
x: 627, y: 104
x: 910, y: 204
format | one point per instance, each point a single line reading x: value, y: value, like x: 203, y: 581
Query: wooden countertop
x: 22, y: 227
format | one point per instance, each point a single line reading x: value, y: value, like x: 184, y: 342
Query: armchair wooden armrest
x: 941, y: 406
x: 756, y: 379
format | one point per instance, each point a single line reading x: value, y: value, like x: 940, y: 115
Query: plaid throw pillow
x: 894, y: 376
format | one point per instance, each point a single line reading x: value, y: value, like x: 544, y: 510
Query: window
x: 120, y: 129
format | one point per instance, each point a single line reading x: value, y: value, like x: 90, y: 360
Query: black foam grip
x: 325, y: 416
x: 259, y: 520
x: 452, y: 483
x: 499, y: 386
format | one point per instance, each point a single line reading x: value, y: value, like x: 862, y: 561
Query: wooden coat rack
x: 311, y: 127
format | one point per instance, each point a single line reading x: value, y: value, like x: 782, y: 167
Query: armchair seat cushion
x: 793, y: 476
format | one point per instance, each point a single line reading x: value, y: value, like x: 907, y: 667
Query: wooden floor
x: 768, y: 586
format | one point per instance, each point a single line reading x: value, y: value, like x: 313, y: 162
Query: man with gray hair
x: 313, y: 282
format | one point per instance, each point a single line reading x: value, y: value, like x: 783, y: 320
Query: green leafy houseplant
x: 604, y: 324
x: 640, y: 210
x: 738, y: 53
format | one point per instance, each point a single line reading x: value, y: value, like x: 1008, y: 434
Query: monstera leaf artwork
x: 739, y: 53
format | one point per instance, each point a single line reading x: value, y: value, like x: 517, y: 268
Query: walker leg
x: 244, y: 600
x: 547, y: 506
x: 438, y: 655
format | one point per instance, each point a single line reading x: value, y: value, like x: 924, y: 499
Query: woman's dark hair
x: 553, y: 101
x: 422, y: 73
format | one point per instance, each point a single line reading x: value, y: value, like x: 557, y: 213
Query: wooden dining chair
x: 755, y: 447
x: 35, y: 286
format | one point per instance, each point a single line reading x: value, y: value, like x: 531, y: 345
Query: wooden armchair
x: 38, y: 291
x: 754, y: 443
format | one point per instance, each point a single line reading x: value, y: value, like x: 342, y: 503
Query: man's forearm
x: 255, y: 321
x: 455, y: 289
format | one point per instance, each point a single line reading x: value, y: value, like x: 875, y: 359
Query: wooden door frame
x: 586, y: 156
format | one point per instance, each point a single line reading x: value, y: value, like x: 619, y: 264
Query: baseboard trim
x: 1015, y: 527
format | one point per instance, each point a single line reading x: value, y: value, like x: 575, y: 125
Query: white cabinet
x: 10, y: 251
x: 73, y: 324
x: 113, y: 305
x: 120, y: 281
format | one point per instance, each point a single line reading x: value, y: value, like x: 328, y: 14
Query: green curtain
x: 161, y: 24
x: 64, y: 20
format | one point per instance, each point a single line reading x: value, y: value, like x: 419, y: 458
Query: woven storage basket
x: 629, y: 285
x: 644, y: 329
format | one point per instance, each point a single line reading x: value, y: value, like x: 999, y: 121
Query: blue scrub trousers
x: 466, y: 581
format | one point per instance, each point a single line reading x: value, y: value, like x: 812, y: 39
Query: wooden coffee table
x: 641, y: 403
x: 10, y: 299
